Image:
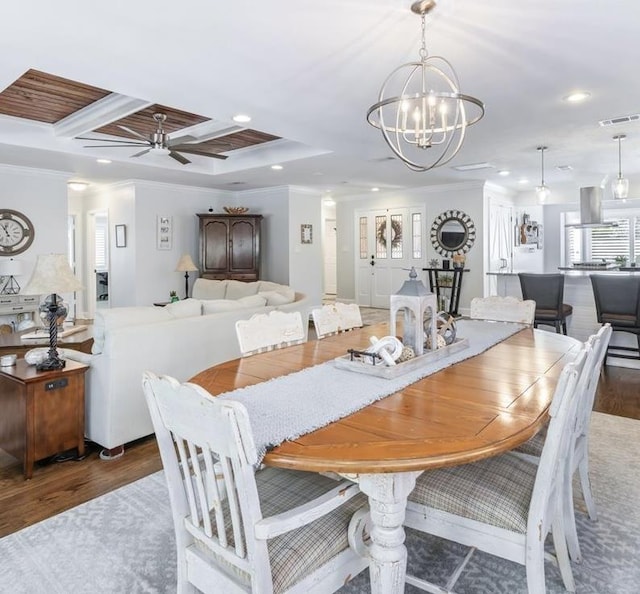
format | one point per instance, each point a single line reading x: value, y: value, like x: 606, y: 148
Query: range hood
x: 591, y: 209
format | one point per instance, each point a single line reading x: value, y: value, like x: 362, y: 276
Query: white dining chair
x: 334, y: 318
x: 265, y: 332
x: 504, y: 505
x: 239, y: 530
x: 503, y: 309
x: 597, y: 345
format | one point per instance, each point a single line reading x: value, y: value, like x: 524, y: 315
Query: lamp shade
x: 10, y: 267
x: 185, y: 264
x: 52, y: 274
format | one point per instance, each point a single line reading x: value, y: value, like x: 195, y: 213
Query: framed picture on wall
x: 164, y: 233
x: 121, y: 236
x: 306, y: 234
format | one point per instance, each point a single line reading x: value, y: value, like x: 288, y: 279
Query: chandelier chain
x: 424, y: 54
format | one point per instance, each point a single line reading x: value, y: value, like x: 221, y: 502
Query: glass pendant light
x: 620, y: 186
x: 542, y: 191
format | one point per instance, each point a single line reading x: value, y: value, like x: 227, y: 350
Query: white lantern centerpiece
x: 414, y: 299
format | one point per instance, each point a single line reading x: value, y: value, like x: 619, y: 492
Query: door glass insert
x: 396, y: 236
x: 381, y: 237
x: 364, y: 238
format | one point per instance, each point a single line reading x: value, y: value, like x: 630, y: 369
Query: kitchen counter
x: 575, y: 272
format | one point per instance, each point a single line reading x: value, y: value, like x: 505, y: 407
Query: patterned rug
x: 123, y: 543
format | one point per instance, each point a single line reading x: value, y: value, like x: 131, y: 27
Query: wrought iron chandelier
x: 620, y: 185
x: 542, y: 191
x: 421, y: 112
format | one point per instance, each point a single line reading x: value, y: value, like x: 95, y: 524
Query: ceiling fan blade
x: 187, y: 148
x: 113, y: 141
x: 110, y: 145
x: 144, y: 152
x: 130, y: 131
x: 179, y: 158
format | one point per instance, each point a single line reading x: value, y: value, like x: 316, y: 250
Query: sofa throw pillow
x: 237, y: 289
x: 118, y: 317
x: 204, y: 288
x: 276, y: 298
x: 212, y: 306
x: 252, y: 301
x: 187, y: 308
x: 276, y: 294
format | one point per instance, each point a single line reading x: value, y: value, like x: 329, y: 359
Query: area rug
x: 122, y: 542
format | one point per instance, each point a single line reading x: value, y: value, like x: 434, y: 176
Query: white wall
x: 42, y: 197
x: 306, y: 270
x: 273, y: 205
x: 155, y: 270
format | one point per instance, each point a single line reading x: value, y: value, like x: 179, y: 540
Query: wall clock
x: 16, y: 232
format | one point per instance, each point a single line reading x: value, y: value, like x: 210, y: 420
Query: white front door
x: 388, y: 243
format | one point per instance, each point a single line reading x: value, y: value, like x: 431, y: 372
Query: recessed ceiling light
x: 77, y: 186
x: 504, y: 172
x: 106, y: 161
x: 564, y: 167
x: 276, y: 167
x: 241, y: 118
x: 375, y: 189
x: 523, y: 180
x: 577, y: 96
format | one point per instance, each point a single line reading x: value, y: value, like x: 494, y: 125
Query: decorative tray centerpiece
x: 365, y: 363
x: 235, y: 210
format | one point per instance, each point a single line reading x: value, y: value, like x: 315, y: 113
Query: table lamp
x: 52, y: 275
x: 11, y: 268
x: 186, y: 265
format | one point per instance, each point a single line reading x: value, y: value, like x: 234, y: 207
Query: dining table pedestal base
x: 387, y: 494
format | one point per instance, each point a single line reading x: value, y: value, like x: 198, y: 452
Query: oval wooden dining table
x: 479, y: 407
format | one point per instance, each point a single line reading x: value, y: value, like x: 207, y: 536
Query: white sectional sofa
x: 180, y: 340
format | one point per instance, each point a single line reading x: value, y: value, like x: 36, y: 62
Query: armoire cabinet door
x: 230, y: 246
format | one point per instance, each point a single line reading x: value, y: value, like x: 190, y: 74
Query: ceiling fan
x: 157, y: 142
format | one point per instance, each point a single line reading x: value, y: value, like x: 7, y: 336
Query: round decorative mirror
x: 452, y: 232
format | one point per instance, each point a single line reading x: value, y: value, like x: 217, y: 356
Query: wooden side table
x: 41, y: 412
x: 12, y: 343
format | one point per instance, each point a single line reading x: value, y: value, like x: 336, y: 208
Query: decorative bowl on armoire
x: 235, y: 210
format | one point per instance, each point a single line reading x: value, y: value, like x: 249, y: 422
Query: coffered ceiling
x: 307, y: 74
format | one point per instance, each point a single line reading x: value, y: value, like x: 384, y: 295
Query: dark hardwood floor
x: 58, y: 486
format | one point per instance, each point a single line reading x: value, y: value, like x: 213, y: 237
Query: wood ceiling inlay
x: 237, y: 140
x: 143, y: 122
x: 46, y: 98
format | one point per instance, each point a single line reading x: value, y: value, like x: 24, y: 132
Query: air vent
x: 473, y: 166
x: 620, y: 120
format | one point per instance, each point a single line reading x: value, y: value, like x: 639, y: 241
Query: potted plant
x: 173, y: 296
x: 621, y: 261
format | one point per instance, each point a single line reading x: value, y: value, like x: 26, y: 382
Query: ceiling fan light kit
x: 157, y: 143
x: 421, y: 112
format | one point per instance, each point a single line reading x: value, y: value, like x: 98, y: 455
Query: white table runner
x: 289, y: 406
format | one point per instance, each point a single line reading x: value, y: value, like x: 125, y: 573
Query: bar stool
x: 618, y: 303
x: 547, y: 290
